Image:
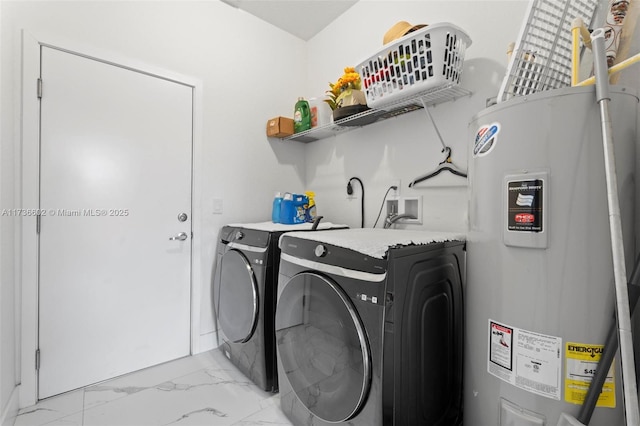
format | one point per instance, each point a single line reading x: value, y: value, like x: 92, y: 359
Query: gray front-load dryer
x: 369, y: 327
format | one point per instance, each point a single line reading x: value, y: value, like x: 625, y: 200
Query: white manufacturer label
x: 528, y: 360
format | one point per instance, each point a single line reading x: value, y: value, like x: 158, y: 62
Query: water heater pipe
x: 615, y: 226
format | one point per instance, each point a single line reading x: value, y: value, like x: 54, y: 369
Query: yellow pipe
x: 575, y: 56
x: 614, y: 69
x: 578, y: 29
x: 575, y: 50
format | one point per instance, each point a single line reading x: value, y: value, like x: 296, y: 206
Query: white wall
x: 9, y: 365
x: 251, y: 71
x: 407, y: 146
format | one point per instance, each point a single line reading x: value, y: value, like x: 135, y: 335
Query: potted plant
x: 346, y: 97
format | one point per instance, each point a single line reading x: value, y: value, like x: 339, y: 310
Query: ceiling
x: 302, y: 18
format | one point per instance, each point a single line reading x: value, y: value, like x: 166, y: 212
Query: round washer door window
x: 322, y: 346
x: 238, y: 311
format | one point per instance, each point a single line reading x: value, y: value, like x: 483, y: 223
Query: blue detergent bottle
x: 300, y: 204
x: 277, y: 204
x: 292, y: 209
x: 286, y: 209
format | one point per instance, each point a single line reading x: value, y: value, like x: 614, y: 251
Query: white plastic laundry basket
x: 427, y: 60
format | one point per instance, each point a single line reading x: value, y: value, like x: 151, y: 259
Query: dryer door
x: 322, y: 346
x: 238, y: 299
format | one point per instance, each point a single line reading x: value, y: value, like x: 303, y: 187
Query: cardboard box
x: 280, y: 127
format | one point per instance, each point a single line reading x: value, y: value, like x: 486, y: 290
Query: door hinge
x: 37, y: 224
x: 37, y: 359
x: 39, y: 89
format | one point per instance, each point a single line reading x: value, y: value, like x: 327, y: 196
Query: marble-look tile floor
x: 201, y: 390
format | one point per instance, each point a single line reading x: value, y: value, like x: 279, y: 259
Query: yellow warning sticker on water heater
x: 582, y: 361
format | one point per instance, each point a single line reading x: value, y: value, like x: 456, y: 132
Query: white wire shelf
x: 447, y: 93
x: 541, y: 58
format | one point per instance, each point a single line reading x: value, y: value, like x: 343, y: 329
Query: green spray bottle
x: 301, y: 116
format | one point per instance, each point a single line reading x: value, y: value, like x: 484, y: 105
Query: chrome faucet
x: 394, y: 217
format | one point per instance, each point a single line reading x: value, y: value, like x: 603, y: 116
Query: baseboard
x: 208, y: 342
x: 10, y: 412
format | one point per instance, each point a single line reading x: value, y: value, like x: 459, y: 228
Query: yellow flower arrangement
x: 350, y: 80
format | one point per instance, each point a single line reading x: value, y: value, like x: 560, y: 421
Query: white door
x: 115, y: 174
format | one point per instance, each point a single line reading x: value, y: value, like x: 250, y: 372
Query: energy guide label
x: 525, y: 359
x: 582, y: 363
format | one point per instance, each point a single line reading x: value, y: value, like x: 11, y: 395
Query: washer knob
x: 239, y: 235
x: 321, y: 250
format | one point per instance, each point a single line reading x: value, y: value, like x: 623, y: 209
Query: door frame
x: 27, y: 190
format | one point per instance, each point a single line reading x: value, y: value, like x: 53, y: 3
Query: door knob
x: 180, y: 237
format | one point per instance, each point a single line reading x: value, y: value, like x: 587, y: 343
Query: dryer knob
x: 239, y: 235
x: 321, y: 250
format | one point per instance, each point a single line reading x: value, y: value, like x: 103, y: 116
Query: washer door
x: 238, y: 311
x: 322, y: 346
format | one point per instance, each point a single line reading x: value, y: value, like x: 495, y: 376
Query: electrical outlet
x: 395, y: 193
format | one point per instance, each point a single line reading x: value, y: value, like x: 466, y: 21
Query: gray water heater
x: 540, y: 296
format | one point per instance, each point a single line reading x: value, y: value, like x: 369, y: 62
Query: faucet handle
x: 393, y: 218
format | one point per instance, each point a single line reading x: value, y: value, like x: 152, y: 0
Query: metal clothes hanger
x: 446, y: 164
